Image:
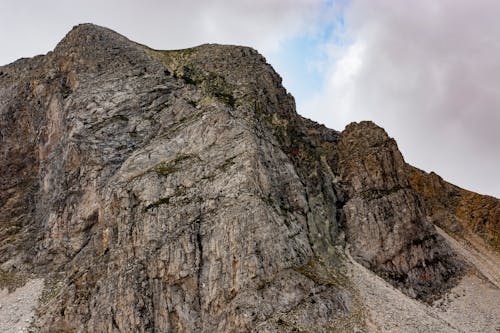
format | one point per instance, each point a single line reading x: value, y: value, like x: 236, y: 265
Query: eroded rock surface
x: 385, y: 218
x: 179, y: 191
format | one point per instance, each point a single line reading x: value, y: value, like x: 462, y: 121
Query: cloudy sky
x: 427, y: 71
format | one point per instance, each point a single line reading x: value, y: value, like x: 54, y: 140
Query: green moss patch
x: 179, y: 191
x: 166, y: 168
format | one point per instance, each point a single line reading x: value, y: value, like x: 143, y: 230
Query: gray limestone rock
x: 386, y: 223
x: 179, y: 191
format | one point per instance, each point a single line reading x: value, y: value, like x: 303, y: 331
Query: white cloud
x: 340, y: 84
x: 429, y: 72
x: 31, y: 27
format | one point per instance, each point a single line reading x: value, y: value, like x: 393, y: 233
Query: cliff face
x: 162, y: 191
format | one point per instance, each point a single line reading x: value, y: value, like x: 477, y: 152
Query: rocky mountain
x: 179, y: 191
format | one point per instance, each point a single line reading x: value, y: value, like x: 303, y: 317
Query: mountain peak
x: 84, y: 33
x: 90, y: 48
x: 180, y: 191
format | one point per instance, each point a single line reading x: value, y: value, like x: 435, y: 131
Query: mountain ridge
x: 180, y: 191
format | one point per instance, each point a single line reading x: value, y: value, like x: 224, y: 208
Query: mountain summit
x: 179, y: 191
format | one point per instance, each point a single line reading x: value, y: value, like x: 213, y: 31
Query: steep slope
x: 463, y: 213
x: 161, y: 191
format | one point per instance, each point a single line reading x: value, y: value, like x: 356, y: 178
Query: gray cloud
x: 33, y: 27
x: 429, y: 72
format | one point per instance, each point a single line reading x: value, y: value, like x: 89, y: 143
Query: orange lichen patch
x: 104, y: 242
x: 35, y: 85
x: 481, y: 214
x: 422, y: 183
x: 433, y: 187
x: 459, y: 211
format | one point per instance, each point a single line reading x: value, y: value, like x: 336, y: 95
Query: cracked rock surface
x: 179, y: 191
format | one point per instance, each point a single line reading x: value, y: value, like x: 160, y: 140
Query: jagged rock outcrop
x: 179, y: 191
x: 385, y: 220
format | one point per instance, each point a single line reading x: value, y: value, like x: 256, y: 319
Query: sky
x: 427, y: 71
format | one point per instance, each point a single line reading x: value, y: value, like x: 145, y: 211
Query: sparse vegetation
x: 11, y: 280
x: 227, y: 164
x: 166, y: 168
x: 179, y: 191
x: 53, y: 288
x: 324, y: 274
x: 179, y: 64
x: 161, y: 201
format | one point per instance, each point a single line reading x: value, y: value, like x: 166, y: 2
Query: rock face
x: 386, y: 223
x: 179, y: 191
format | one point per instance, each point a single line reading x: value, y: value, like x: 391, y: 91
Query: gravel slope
x: 17, y: 308
x: 472, y: 306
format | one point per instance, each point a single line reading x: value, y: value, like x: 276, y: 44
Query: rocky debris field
x: 17, y: 308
